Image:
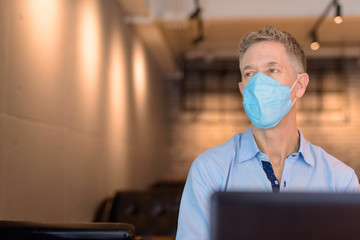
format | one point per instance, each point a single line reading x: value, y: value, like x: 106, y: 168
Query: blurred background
x: 100, y: 96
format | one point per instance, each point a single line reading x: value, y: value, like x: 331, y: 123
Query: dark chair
x: 153, y: 212
x: 104, y: 210
x: 173, y: 186
x: 19, y: 230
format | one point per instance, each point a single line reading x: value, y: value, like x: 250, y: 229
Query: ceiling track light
x: 196, y: 15
x: 315, y: 45
x: 338, y: 18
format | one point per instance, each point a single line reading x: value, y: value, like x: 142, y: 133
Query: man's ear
x: 240, y: 87
x: 303, y: 81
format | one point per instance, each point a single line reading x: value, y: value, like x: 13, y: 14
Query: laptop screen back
x: 254, y: 215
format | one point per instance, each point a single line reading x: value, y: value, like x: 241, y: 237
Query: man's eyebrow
x: 247, y: 67
x: 269, y: 64
x: 273, y: 64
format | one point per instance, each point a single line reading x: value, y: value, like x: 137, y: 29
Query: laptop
x: 267, y: 216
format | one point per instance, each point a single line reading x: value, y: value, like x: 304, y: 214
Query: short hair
x: 293, y: 49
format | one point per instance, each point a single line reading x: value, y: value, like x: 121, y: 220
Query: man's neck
x: 278, y: 143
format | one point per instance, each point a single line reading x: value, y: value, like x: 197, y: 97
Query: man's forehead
x: 267, y: 53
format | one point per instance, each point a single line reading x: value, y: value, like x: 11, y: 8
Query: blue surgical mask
x: 266, y: 101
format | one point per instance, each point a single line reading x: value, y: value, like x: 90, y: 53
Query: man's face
x: 269, y: 58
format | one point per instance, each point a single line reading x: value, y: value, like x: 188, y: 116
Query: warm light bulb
x: 314, y: 46
x: 338, y: 19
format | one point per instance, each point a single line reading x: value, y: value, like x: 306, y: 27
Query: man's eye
x: 274, y: 70
x: 249, y: 74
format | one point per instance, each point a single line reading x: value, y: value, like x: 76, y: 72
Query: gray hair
x: 269, y: 33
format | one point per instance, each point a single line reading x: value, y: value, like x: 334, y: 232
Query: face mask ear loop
x: 297, y: 77
x: 292, y: 89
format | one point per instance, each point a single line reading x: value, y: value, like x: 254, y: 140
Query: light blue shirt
x: 237, y: 166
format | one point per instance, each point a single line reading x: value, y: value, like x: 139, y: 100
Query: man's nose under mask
x: 266, y: 101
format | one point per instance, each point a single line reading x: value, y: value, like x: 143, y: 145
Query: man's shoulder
x: 322, y: 157
x: 213, y: 164
x: 225, y: 147
x: 338, y: 174
x: 221, y: 154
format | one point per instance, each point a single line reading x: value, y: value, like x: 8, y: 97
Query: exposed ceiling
x: 224, y: 22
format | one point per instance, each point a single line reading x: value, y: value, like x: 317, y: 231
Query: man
x: 272, y: 155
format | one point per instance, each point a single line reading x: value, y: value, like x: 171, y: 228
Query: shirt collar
x: 305, y: 151
x: 248, y: 148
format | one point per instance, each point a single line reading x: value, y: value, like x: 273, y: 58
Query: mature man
x: 272, y: 155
